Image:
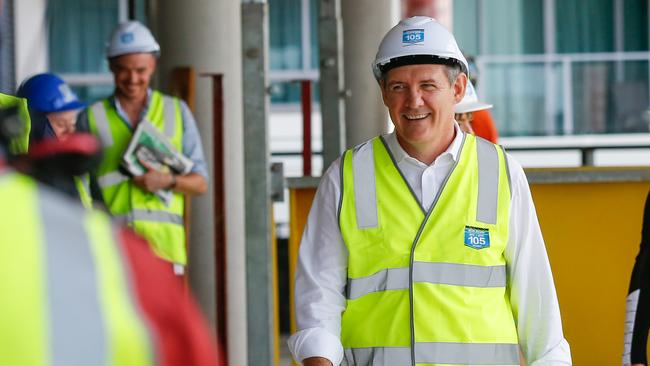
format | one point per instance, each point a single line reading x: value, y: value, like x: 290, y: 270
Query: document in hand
x: 149, y: 146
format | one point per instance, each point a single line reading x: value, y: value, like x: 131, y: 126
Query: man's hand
x: 316, y: 361
x: 154, y: 180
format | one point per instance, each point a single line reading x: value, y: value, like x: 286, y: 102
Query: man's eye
x: 397, y: 87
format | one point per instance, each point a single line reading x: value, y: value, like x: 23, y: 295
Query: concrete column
x: 365, y: 22
x: 206, y: 34
x: 30, y: 31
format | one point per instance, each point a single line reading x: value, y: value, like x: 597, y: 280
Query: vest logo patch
x: 477, y: 238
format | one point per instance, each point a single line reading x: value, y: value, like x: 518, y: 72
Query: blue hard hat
x: 48, y: 93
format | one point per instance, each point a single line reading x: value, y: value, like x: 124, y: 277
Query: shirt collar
x: 399, y: 154
x: 116, y: 103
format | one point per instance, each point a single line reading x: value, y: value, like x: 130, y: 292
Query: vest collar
x: 400, y: 154
x: 120, y: 112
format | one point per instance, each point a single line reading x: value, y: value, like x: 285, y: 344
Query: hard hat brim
x: 155, y: 53
x: 383, y: 67
x: 471, y: 107
x: 71, y: 106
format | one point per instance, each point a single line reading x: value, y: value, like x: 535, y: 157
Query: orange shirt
x: 483, y: 126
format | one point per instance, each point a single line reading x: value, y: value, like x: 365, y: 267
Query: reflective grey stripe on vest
x: 76, y: 328
x: 379, y: 356
x: 437, y: 273
x: 365, y: 196
x: 488, y: 182
x: 169, y: 116
x: 101, y: 122
x: 436, y: 353
x: 155, y: 216
x: 111, y: 179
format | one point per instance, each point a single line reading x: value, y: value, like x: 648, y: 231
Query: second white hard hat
x: 470, y: 102
x: 131, y: 37
x: 417, y: 40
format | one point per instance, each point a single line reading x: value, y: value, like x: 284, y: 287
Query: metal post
x: 588, y: 156
x: 332, y: 94
x: 257, y: 184
x: 305, y: 93
x: 131, y: 10
x: 218, y: 182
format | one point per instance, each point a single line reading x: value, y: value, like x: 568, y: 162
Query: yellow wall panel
x: 592, y: 233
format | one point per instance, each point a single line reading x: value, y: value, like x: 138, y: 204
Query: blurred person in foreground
x: 79, y: 290
x: 637, y: 319
x: 422, y: 246
x: 132, y: 54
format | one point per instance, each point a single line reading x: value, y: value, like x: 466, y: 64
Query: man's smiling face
x: 420, y: 101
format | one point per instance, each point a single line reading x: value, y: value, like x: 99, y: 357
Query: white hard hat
x: 417, y: 40
x: 131, y: 37
x: 470, y: 102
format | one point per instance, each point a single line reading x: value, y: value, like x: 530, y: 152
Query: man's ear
x: 459, y: 87
x: 382, y: 87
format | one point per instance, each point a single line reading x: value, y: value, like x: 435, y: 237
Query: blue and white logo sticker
x: 127, y: 38
x: 477, y: 238
x: 412, y: 36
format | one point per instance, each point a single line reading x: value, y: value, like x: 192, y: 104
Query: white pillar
x: 206, y: 34
x: 30, y: 38
x: 365, y: 22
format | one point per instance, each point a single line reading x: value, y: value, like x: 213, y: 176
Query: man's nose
x: 133, y: 77
x: 414, y: 98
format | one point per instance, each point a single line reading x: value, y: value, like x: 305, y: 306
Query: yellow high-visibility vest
x: 427, y: 287
x: 66, y: 299
x: 19, y: 144
x: 160, y: 224
x: 82, y: 183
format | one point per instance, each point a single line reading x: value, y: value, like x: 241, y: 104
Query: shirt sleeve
x: 530, y: 281
x: 321, y: 277
x: 192, y: 147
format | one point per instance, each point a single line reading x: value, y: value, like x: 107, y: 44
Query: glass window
x: 313, y: 17
x: 517, y: 91
x: 512, y: 27
x: 466, y: 25
x: 584, y: 26
x: 636, y: 25
x: 92, y: 93
x: 610, y: 97
x: 77, y: 34
x: 285, y: 51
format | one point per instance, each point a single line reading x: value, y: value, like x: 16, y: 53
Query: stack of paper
x: 149, y: 146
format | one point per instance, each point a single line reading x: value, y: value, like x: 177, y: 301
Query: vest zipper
x: 415, y: 243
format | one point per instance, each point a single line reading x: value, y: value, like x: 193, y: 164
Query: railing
x: 587, y: 145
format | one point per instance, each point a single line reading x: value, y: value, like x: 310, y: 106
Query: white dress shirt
x: 321, y: 275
